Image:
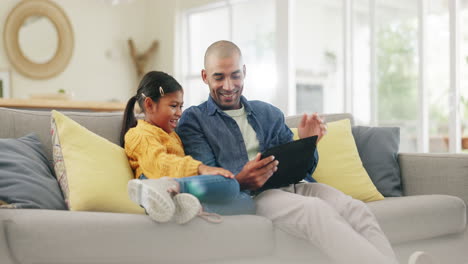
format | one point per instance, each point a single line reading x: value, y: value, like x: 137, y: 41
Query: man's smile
x: 229, y: 95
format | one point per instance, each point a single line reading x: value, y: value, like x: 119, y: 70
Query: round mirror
x: 38, y: 39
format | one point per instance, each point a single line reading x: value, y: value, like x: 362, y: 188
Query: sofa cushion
x: 378, y: 149
x: 26, y: 176
x: 419, y: 217
x: 93, y: 172
x: 340, y: 165
x: 97, y: 237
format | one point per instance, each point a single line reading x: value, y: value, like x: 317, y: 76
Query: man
x: 229, y: 131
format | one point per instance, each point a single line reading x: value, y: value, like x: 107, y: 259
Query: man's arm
x: 309, y: 126
x: 194, y: 140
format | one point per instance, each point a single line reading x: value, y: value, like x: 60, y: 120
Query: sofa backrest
x: 17, y: 123
x: 293, y: 121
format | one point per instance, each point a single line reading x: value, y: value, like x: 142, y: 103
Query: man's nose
x: 227, y: 85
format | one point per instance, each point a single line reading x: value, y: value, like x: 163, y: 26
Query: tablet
x: 295, y: 158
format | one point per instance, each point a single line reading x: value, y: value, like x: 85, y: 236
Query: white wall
x: 162, y: 27
x: 101, y: 68
x: 189, y: 4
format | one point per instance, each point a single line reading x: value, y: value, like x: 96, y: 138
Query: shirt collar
x: 213, y: 107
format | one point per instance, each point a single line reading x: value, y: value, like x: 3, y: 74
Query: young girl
x: 165, y: 184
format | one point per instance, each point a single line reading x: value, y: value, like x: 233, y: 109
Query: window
x: 318, y: 49
x: 464, y: 77
x: 201, y: 33
x: 396, y: 44
x: 438, y: 84
x: 240, y: 22
x: 363, y: 56
x: 361, y: 51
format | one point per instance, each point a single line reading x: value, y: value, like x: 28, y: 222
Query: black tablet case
x: 295, y: 158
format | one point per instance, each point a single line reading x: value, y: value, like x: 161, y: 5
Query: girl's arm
x: 155, y: 162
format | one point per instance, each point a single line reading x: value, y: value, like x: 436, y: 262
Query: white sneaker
x: 153, y: 195
x: 188, y: 207
x: 420, y: 257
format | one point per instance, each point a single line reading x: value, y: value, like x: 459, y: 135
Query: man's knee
x: 355, y: 204
x: 316, y: 206
x: 308, y: 212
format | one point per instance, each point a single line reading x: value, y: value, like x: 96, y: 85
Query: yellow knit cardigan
x: 155, y: 153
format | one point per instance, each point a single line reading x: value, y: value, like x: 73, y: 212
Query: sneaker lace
x: 211, y: 217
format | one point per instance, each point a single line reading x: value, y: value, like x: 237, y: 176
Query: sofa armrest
x: 434, y: 174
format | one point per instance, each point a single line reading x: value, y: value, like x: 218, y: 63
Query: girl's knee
x: 230, y: 183
x: 231, y: 187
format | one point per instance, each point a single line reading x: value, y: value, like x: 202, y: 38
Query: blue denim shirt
x: 214, y: 138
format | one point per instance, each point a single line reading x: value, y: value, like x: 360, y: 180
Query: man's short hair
x: 222, y: 49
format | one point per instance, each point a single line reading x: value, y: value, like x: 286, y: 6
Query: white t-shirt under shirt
x: 249, y: 135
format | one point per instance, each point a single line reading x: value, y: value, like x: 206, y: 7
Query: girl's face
x: 166, y: 112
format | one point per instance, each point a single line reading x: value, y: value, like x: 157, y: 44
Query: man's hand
x: 207, y: 170
x: 256, y: 172
x: 312, y: 125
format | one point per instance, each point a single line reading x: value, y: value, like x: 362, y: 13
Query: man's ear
x: 243, y: 69
x: 204, y: 76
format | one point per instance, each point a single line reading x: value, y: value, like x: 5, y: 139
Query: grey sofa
x: 431, y: 217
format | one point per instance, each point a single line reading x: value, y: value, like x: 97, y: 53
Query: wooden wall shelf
x: 43, y: 104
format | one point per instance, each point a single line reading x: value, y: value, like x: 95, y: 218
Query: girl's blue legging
x: 217, y: 194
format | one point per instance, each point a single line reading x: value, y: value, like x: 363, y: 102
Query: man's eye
x: 236, y: 76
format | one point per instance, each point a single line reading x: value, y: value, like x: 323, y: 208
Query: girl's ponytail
x: 129, y: 119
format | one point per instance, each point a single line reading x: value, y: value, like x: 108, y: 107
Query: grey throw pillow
x: 378, y: 149
x: 26, y: 175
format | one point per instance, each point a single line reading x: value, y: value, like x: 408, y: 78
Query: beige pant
x: 341, y: 227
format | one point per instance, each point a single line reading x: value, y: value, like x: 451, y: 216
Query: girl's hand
x: 207, y: 170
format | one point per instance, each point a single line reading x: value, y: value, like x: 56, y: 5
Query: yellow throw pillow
x: 92, y: 172
x: 340, y: 165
